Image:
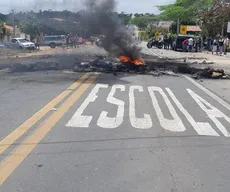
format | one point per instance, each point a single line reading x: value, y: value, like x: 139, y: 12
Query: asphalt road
x: 97, y: 132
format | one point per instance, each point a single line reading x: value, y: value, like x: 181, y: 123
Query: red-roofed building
x: 8, y: 27
x: 193, y: 28
x: 18, y: 33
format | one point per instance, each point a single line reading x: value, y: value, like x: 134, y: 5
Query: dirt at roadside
x: 48, y: 59
x: 200, y: 59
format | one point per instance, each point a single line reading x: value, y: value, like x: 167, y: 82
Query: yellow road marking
x: 22, y: 129
x: 22, y: 151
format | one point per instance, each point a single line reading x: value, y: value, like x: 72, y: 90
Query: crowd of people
x: 219, y: 45
x: 190, y: 44
x: 168, y: 41
x: 72, y: 41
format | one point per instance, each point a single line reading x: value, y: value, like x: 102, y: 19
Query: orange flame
x: 126, y: 59
x: 138, y: 62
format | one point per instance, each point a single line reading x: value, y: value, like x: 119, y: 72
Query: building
x: 10, y: 34
x: 163, y: 24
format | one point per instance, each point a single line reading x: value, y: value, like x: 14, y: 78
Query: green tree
x: 211, y: 14
x: 126, y: 18
x: 30, y: 25
x: 143, y: 21
x: 2, y: 31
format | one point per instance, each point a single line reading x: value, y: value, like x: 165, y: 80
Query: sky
x: 128, y: 6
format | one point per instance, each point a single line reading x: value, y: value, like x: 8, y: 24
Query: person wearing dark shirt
x: 221, y: 45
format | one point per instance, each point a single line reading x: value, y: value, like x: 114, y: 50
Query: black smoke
x: 101, y: 19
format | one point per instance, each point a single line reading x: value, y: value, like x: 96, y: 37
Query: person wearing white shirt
x: 190, y: 44
x: 226, y: 45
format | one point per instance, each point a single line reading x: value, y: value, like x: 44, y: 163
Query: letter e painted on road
x: 175, y: 124
x: 212, y: 112
x: 113, y: 122
x: 139, y: 123
x: 79, y: 120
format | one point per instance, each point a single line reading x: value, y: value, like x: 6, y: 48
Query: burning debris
x: 101, y: 19
x: 155, y: 67
x: 105, y: 64
x: 126, y: 59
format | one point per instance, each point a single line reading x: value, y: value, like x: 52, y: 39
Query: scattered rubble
x: 109, y: 64
x: 210, y: 73
x: 152, y: 66
x: 38, y: 66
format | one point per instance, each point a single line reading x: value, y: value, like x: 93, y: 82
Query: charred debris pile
x: 149, y: 66
x: 123, y: 53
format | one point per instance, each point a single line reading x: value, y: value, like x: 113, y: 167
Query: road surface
x: 64, y: 131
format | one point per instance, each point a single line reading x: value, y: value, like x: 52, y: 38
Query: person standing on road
x: 199, y: 43
x: 76, y: 41
x: 214, y: 46
x: 190, y: 44
x: 185, y: 45
x: 196, y: 44
x: 211, y: 44
x: 221, y: 45
x: 37, y: 42
x: 67, y: 41
x: 170, y: 41
x: 165, y: 42
x: 226, y: 45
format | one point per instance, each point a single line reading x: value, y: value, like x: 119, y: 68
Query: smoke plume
x: 101, y: 19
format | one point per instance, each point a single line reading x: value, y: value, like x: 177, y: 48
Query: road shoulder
x: 219, y: 87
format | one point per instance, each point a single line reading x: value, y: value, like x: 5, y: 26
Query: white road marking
x: 139, y: 123
x: 174, y: 125
x: 154, y: 53
x: 200, y: 127
x: 114, y: 122
x: 79, y: 120
x: 212, y: 112
x: 218, y: 99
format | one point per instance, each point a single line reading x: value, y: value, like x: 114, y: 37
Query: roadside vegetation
x: 211, y: 15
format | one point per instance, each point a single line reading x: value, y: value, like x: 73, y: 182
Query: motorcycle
x: 155, y: 43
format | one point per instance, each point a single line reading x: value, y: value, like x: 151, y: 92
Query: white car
x: 22, y: 43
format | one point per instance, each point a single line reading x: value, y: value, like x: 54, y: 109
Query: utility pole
x: 178, y: 26
x: 13, y: 14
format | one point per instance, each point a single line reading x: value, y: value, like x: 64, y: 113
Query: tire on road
x: 149, y: 46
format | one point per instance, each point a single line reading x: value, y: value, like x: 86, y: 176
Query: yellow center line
x: 22, y: 151
x: 22, y: 129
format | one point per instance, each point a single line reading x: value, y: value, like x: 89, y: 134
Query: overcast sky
x: 128, y: 6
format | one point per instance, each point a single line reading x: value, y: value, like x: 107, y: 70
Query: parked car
x: 21, y: 43
x: 177, y: 43
x: 2, y: 45
x: 81, y: 41
x: 53, y: 40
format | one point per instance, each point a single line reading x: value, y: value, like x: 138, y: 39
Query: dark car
x: 177, y: 43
